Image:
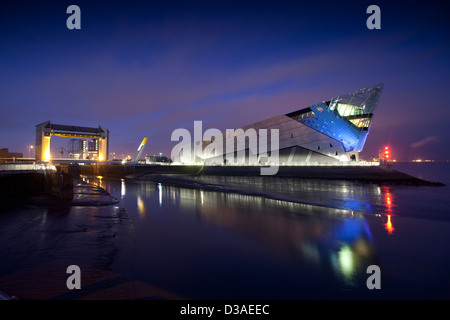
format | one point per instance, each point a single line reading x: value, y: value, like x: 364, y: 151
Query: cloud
x: 424, y: 141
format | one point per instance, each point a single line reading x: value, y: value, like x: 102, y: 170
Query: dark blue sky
x: 145, y: 68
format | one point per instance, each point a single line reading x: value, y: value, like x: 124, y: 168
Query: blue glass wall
x: 330, y: 123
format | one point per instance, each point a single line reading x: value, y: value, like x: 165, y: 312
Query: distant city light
x: 424, y: 160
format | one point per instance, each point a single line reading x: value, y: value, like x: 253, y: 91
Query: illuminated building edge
x: 46, y: 130
x: 326, y: 132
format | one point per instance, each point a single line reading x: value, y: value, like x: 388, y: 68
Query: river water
x: 304, y: 239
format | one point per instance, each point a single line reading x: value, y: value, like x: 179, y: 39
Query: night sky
x: 146, y: 68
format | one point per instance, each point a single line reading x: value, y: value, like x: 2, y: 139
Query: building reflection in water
x: 160, y: 194
x: 323, y: 238
x: 388, y: 225
x: 388, y: 202
x: 123, y: 188
x: 141, y: 206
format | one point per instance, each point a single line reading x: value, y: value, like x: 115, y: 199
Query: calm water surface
x: 305, y: 239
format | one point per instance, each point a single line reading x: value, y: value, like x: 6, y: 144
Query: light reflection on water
x: 204, y: 244
x: 389, y: 203
x: 348, y: 195
x: 329, y: 248
x: 323, y: 248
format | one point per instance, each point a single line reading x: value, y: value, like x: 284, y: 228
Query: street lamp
x: 29, y: 151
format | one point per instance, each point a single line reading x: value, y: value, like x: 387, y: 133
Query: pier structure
x: 21, y: 180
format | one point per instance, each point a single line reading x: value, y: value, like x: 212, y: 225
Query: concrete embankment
x: 59, y: 185
x: 375, y: 174
x: 32, y: 184
x: 130, y: 171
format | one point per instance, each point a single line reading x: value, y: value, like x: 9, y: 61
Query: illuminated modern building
x: 76, y: 148
x: 93, y: 149
x: 83, y: 148
x: 329, y: 131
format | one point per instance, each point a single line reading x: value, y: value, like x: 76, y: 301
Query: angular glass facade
x: 346, y: 118
x: 327, y: 132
